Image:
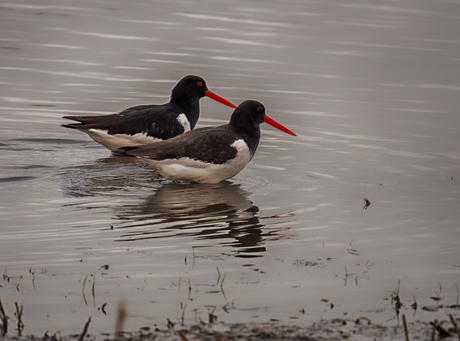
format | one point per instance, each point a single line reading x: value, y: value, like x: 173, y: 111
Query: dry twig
x: 406, y: 331
x: 85, y: 330
x: 3, y: 319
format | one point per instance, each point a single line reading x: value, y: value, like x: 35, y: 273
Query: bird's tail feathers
x: 123, y: 151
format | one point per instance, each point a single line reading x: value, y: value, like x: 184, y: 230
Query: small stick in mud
x: 92, y: 289
x: 193, y: 264
x: 368, y: 203
x: 182, y: 335
x: 183, y: 314
x: 83, y: 289
x: 122, y: 313
x: 222, y: 285
x: 18, y: 314
x: 395, y: 299
x: 457, y: 293
x: 218, y: 277
x: 212, y: 317
x: 414, y: 305
x: 85, y: 330
x: 442, y: 332
x: 406, y: 331
x: 4, y: 319
x: 223, y: 279
x: 455, y: 325
x: 33, y: 276
x: 433, y: 332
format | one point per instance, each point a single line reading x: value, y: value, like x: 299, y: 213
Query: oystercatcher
x: 210, y: 154
x: 144, y: 124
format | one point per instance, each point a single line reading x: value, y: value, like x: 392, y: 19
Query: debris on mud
x: 334, y: 329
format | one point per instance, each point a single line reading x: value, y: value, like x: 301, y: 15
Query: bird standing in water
x: 210, y: 154
x: 144, y: 124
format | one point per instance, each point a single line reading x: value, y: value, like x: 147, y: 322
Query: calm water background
x: 372, y: 88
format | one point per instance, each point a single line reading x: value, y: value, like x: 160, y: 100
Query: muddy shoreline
x: 333, y: 329
x: 444, y: 325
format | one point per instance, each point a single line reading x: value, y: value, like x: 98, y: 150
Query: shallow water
x: 372, y: 91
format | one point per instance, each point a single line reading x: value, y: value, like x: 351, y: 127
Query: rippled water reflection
x: 219, y: 211
x: 371, y: 90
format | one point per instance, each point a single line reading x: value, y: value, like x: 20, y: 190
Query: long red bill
x: 212, y: 95
x: 275, y: 124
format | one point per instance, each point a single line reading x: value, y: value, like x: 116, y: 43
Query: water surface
x: 372, y: 91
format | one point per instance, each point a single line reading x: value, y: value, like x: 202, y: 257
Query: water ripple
x: 233, y: 20
x: 102, y: 35
x: 17, y: 178
x: 242, y: 42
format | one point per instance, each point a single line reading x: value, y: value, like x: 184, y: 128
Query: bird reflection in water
x: 206, y: 211
x: 220, y: 212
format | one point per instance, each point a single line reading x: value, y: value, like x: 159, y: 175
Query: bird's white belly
x: 116, y: 141
x: 204, y: 172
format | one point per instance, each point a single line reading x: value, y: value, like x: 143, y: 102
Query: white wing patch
x: 115, y: 141
x: 240, y: 146
x: 199, y: 171
x: 184, y: 122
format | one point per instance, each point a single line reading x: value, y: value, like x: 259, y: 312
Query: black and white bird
x: 145, y: 124
x: 210, y: 154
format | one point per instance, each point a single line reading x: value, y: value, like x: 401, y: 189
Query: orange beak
x: 275, y: 124
x: 212, y: 95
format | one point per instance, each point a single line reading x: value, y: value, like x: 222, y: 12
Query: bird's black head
x: 248, y: 115
x: 189, y: 87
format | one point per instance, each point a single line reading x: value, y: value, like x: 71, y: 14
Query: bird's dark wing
x: 154, y: 120
x: 210, y: 144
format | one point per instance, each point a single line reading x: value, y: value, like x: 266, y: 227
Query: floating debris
x: 368, y: 203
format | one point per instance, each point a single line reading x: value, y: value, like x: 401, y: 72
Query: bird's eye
x: 200, y: 84
x: 260, y: 109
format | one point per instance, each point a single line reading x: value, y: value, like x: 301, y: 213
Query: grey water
x: 372, y: 90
